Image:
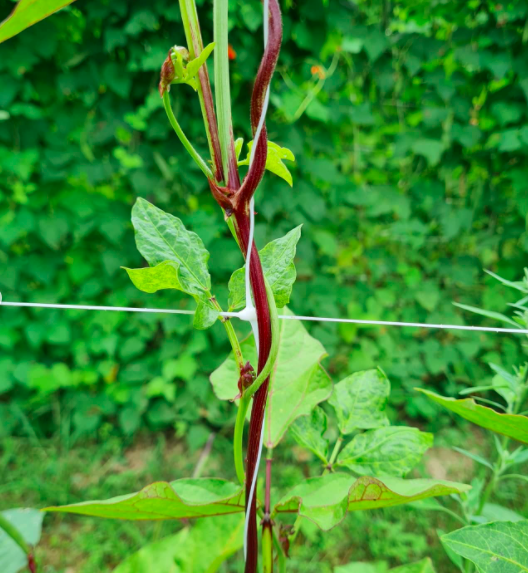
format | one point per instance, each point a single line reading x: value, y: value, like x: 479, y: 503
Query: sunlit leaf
x: 511, y: 425
x: 297, y: 384
x: 152, y: 279
x: 274, y: 161
x: 385, y: 451
x: 185, y: 498
x: 360, y: 401
x: 161, y: 237
x: 326, y: 500
x: 27, y: 13
x: 308, y: 431
x: 277, y: 259
x: 500, y: 547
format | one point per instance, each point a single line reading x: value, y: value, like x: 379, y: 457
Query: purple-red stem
x: 259, y: 400
x: 235, y: 199
x: 262, y: 82
x: 267, y: 499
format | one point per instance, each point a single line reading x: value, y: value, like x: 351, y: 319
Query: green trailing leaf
x: 185, y: 498
x: 28, y: 524
x: 511, y: 425
x: 500, y: 547
x: 360, y: 401
x: 206, y: 313
x: 385, y: 451
x: 489, y: 314
x: 152, y: 279
x: 161, y: 237
x: 274, y: 161
x: 183, y: 552
x: 27, y: 13
x: 308, y: 432
x: 297, y: 384
x: 194, y: 66
x: 325, y: 500
x: 277, y: 262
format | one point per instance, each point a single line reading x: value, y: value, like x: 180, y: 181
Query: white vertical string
x: 250, y: 308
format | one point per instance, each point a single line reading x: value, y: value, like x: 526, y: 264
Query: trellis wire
x: 281, y: 317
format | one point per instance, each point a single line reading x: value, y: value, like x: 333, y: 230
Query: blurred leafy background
x: 410, y: 127
x: 409, y: 124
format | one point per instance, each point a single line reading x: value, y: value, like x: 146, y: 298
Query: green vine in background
x: 186, y: 143
x: 221, y: 76
x: 390, y: 93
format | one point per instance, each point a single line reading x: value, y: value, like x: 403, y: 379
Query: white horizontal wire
x: 281, y: 316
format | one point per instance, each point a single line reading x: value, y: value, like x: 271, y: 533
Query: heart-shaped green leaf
x: 308, y: 432
x: 500, y: 547
x: 274, y: 163
x: 297, y: 384
x: 27, y: 13
x: 360, y: 401
x: 185, y: 498
x: 385, y: 451
x: 277, y: 262
x: 511, y: 425
x: 161, y: 237
x: 183, y: 552
x: 28, y: 524
x: 152, y: 279
x: 325, y: 500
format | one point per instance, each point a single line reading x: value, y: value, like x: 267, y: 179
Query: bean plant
x: 275, y: 376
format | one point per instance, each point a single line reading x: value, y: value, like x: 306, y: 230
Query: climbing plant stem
x: 183, y: 138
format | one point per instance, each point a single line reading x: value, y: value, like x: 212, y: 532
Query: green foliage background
x: 411, y: 145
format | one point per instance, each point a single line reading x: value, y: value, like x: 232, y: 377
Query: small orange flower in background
x: 230, y: 52
x: 318, y: 71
